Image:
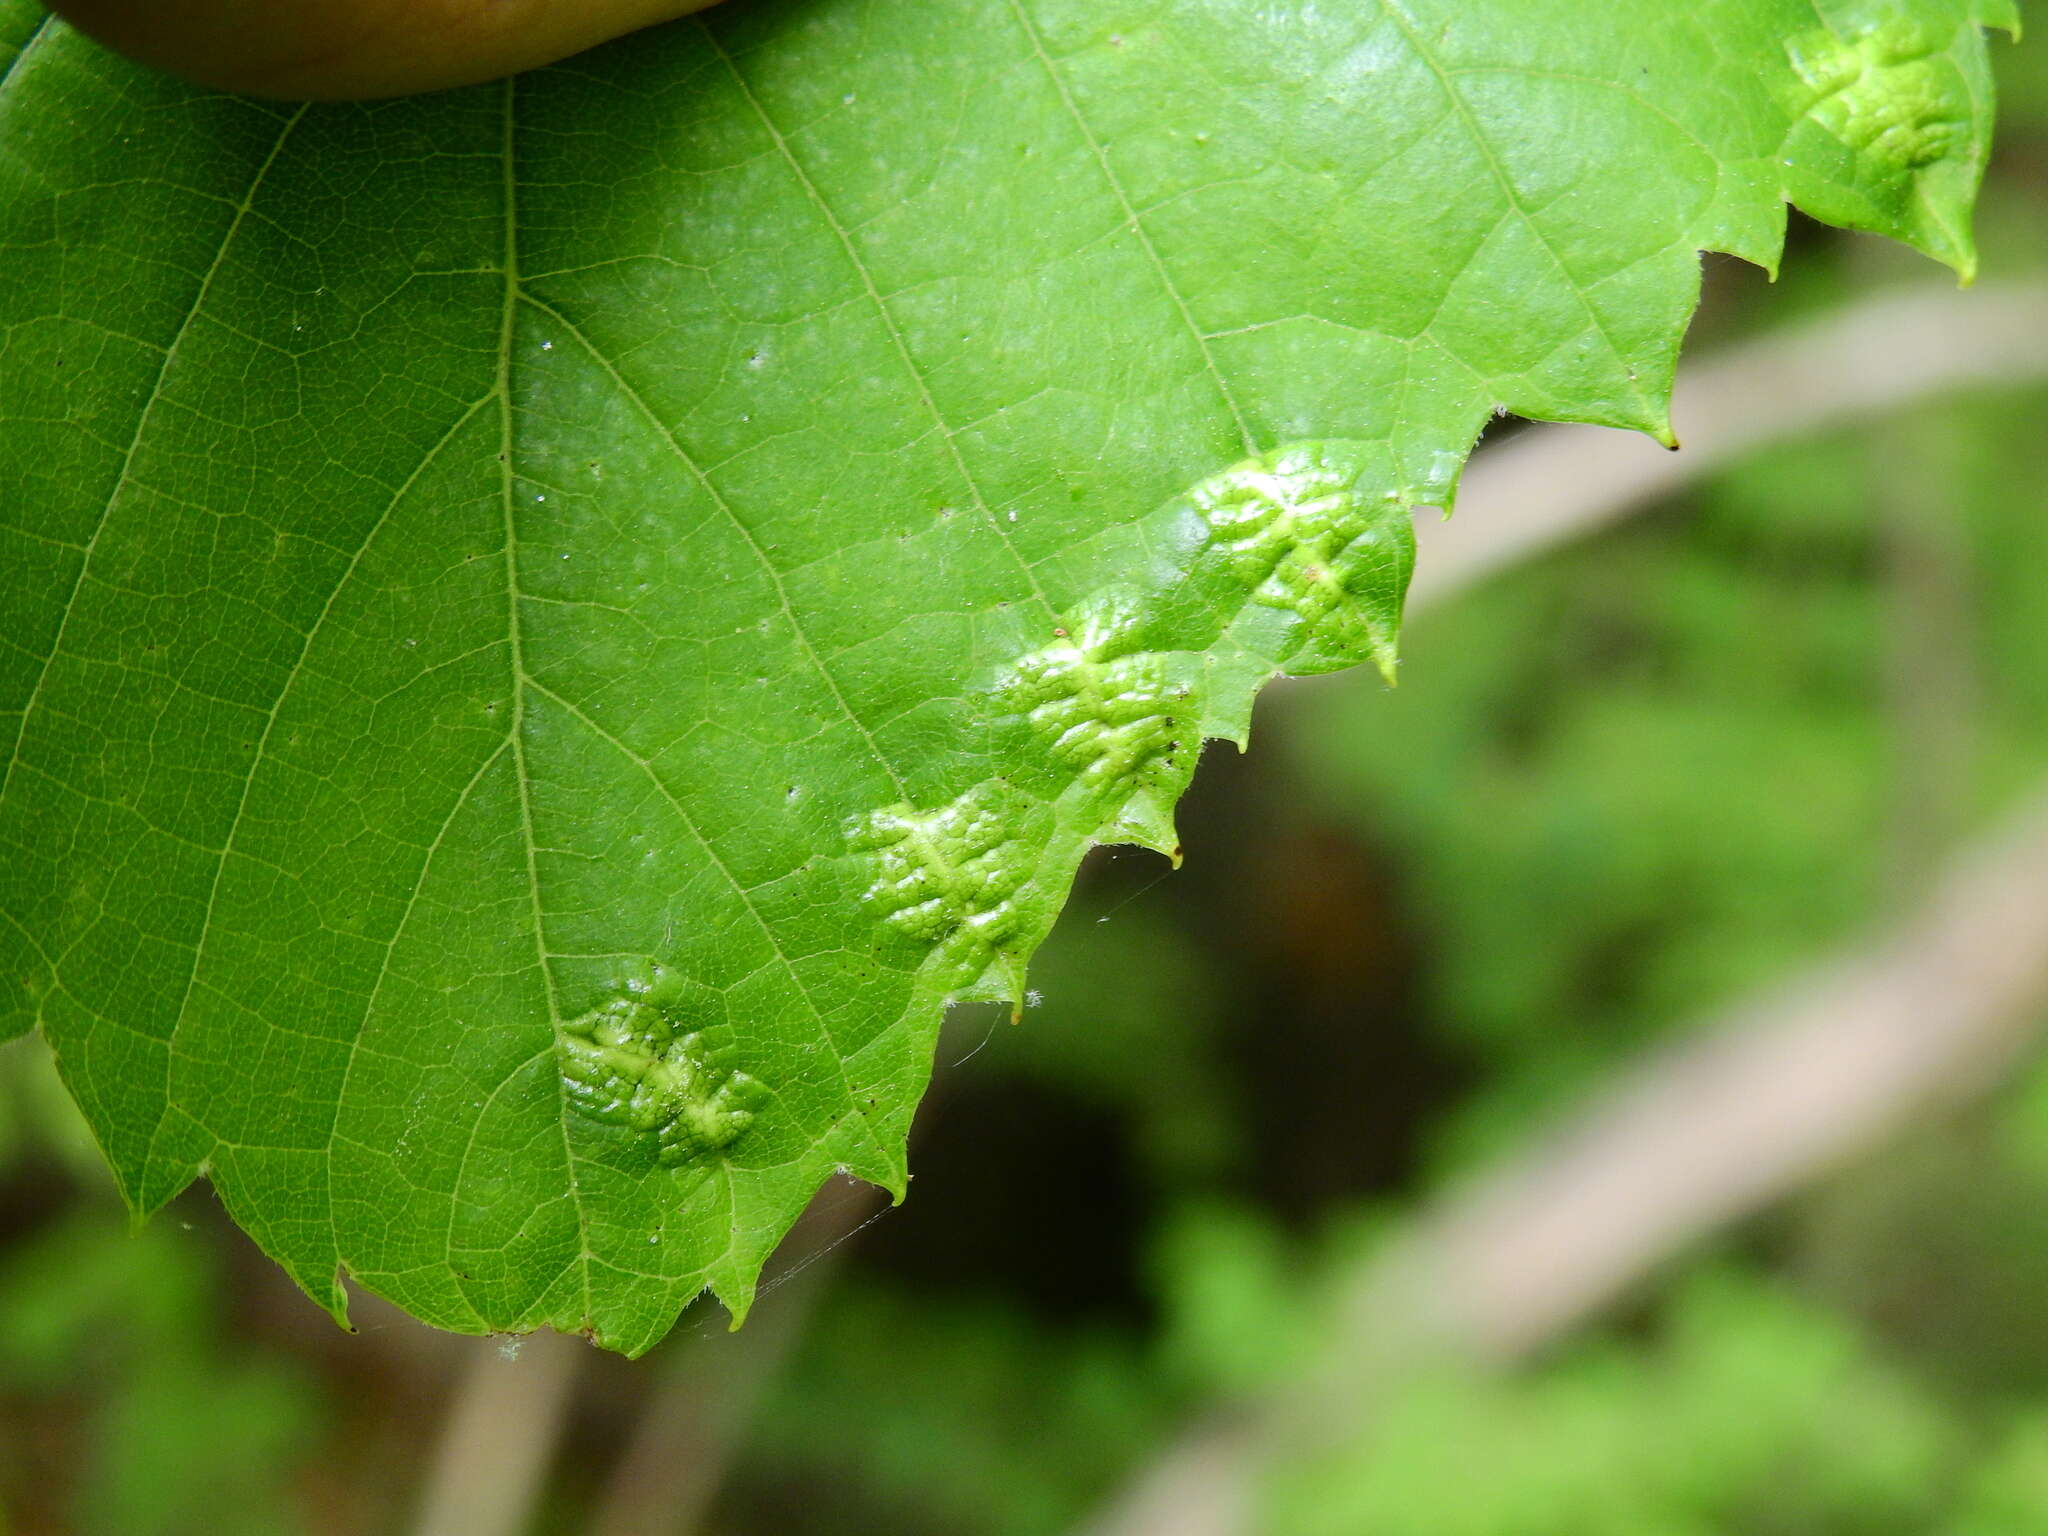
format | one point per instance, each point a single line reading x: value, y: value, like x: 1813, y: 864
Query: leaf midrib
x: 516, y: 657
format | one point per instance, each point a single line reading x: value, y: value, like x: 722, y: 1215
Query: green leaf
x: 550, y: 628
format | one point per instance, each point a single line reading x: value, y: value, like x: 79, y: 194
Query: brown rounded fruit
x: 340, y: 50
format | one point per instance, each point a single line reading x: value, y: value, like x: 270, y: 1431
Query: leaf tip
x: 1386, y: 660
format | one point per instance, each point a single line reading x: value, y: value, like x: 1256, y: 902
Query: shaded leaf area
x: 551, y: 628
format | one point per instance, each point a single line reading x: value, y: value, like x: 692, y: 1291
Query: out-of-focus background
x: 1598, y: 1089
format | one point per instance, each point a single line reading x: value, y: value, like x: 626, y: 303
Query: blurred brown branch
x: 1743, y: 1110
x: 1748, y: 1106
x: 1551, y: 484
x: 686, y: 1436
x: 500, y: 1435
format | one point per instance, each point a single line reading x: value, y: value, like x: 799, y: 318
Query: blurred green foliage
x: 1646, y: 775
x: 1029, y: 1416
x: 1746, y: 1411
x: 192, y: 1432
x: 132, y: 1407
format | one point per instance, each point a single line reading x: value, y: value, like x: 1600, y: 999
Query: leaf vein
x: 886, y: 315
x: 508, y: 322
x: 142, y: 420
x: 760, y: 555
x: 1133, y: 221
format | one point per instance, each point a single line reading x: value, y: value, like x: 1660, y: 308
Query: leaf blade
x: 657, y: 572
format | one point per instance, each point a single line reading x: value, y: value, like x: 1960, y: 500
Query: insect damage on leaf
x: 1115, y: 709
x: 951, y: 874
x: 1295, y: 527
x: 1103, y: 707
x: 640, y: 1061
x: 1889, y: 94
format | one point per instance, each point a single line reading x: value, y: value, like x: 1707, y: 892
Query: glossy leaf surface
x: 549, y: 628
